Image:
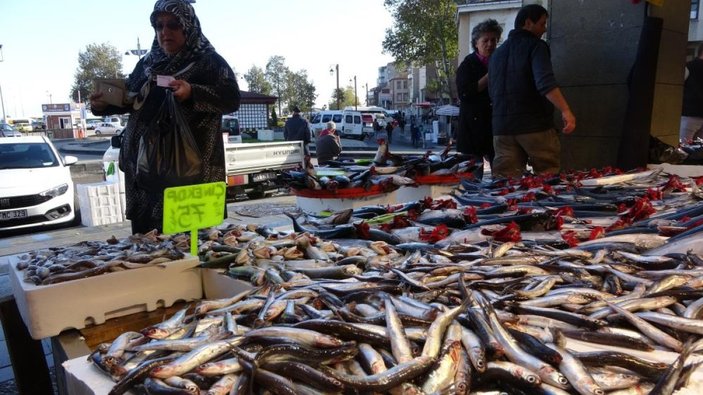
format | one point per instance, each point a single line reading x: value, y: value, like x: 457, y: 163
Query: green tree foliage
x: 424, y: 32
x: 299, y: 91
x: 256, y: 79
x: 97, y: 61
x: 346, y: 98
x: 276, y: 71
x: 273, y: 122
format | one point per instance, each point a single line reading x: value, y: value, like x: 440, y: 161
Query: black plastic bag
x: 168, y: 155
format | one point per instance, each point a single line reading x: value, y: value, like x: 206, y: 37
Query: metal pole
x: 2, y: 100
x: 337, y: 68
x: 356, y: 100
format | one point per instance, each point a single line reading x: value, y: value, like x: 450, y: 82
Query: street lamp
x: 336, y: 93
x: 1, y: 98
x: 139, y: 51
x: 49, y: 94
x: 356, y: 102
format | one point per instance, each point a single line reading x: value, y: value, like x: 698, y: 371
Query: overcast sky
x: 41, y: 40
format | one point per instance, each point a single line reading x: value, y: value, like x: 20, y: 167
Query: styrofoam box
x: 47, y: 310
x: 217, y: 286
x: 100, y: 203
x: 264, y: 135
x: 406, y: 193
x: 82, y: 378
x: 679, y: 170
x: 317, y: 205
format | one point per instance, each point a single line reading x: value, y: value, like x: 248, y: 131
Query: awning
x: 448, y: 110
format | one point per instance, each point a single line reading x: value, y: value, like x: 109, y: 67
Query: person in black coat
x: 474, y: 136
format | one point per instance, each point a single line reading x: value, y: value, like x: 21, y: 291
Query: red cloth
x: 326, y: 132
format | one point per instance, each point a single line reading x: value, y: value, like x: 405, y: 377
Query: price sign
x: 194, y: 207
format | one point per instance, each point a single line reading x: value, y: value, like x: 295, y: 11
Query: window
x: 326, y: 118
x: 695, y: 4
x: 337, y: 118
x: 357, y: 119
x: 348, y: 119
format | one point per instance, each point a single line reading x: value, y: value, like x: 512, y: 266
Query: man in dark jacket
x: 692, y: 111
x: 524, y: 91
x: 297, y: 129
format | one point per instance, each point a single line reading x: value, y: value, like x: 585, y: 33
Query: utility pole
x: 336, y: 93
x: 356, y: 101
x: 2, y: 100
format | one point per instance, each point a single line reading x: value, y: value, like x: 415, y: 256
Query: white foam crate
x: 406, y: 193
x: 264, y: 135
x: 317, y: 205
x: 100, y: 203
x: 47, y: 310
x: 83, y: 378
x: 216, y: 285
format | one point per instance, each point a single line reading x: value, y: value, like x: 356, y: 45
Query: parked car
x: 38, y: 125
x: 92, y: 123
x: 23, y: 124
x: 36, y: 189
x: 6, y: 130
x: 107, y: 128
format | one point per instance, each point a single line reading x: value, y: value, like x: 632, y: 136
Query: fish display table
x: 433, y: 186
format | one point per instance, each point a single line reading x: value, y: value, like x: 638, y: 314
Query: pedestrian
x: 414, y: 133
x: 692, y: 111
x: 390, y: 125
x: 474, y: 134
x: 524, y: 91
x: 328, y: 145
x: 202, y: 83
x: 297, y: 129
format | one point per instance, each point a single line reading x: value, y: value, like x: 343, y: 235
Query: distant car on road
x: 6, y: 130
x: 35, y: 184
x: 92, y: 124
x: 107, y: 128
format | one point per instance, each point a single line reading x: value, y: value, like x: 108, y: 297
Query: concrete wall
x: 594, y: 44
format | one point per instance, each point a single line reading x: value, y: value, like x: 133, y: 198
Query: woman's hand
x: 96, y: 102
x: 181, y: 89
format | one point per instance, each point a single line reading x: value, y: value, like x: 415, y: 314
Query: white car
x: 35, y: 184
x: 107, y: 128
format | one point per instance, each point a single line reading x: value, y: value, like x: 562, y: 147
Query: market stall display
x: 90, y: 282
x: 588, y: 283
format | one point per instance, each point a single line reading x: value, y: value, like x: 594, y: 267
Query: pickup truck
x: 252, y: 168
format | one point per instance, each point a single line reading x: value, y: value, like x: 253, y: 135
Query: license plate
x: 8, y: 215
x: 263, y: 176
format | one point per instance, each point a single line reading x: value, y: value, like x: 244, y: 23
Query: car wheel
x: 118, y: 131
x: 97, y: 132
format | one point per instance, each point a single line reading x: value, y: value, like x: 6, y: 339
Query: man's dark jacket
x: 474, y: 132
x: 519, y: 75
x: 296, y: 129
x: 693, y: 89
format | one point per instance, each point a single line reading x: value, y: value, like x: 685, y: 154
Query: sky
x: 41, y: 40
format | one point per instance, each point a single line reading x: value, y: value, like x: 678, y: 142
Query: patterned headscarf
x: 157, y: 61
x: 195, y: 46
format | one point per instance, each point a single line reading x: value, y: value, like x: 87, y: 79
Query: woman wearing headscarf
x: 204, y: 86
x: 474, y: 135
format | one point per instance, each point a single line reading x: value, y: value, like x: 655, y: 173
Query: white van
x: 319, y: 121
x: 352, y: 125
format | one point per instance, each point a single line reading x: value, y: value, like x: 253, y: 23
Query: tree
x: 273, y: 122
x: 256, y: 79
x: 346, y: 98
x: 424, y: 32
x: 276, y: 71
x: 97, y: 61
x: 299, y: 91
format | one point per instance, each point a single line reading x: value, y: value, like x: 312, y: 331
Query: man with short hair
x: 692, y: 111
x: 297, y: 129
x: 524, y: 92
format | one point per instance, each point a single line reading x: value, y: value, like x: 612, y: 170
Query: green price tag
x: 194, y: 206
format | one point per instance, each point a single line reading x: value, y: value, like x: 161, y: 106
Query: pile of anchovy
x: 589, y: 283
x: 92, y: 258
